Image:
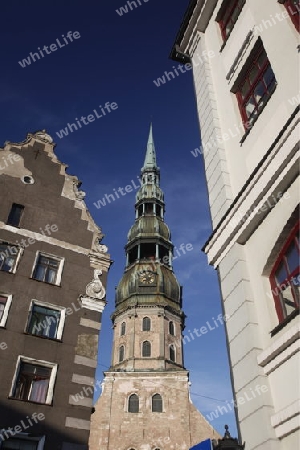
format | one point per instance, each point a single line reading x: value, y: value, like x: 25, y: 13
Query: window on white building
x: 285, y: 277
x: 293, y: 9
x: 228, y: 15
x: 255, y: 85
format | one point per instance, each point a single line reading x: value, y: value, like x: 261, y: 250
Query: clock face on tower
x: 147, y: 277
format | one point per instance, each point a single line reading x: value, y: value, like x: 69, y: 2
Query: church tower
x: 145, y: 402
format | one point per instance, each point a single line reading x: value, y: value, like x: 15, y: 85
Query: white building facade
x: 244, y: 55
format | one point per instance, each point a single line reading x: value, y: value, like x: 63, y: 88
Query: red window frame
x: 293, y: 11
x: 244, y: 97
x: 277, y: 286
x: 228, y: 15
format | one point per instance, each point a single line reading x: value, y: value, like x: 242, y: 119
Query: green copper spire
x: 150, y: 159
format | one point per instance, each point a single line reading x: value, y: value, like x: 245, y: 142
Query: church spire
x: 150, y: 158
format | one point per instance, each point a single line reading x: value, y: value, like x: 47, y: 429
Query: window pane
x: 15, y: 215
x: 50, y: 276
x: 40, y: 273
x: 156, y: 403
x: 8, y: 255
x: 133, y: 404
x: 121, y: 353
x: 44, y: 322
x: 146, y: 324
x: 32, y: 383
x: 288, y: 301
x: 269, y: 77
x: 292, y: 256
x: 123, y: 328
x: 262, y: 59
x: 39, y: 389
x: 228, y: 28
x: 172, y: 353
x: 3, y: 301
x: 281, y: 274
x: 259, y: 91
x: 171, y: 328
x: 46, y: 269
x: 146, y: 352
x: 245, y: 88
x: 250, y: 106
x: 235, y: 15
x: 8, y: 264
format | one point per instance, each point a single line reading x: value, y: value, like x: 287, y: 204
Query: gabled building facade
x: 145, y: 402
x: 53, y: 272
x: 245, y: 62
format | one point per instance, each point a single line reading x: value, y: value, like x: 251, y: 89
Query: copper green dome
x: 147, y: 283
x: 149, y: 226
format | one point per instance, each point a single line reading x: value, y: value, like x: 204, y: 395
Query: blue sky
x: 115, y: 59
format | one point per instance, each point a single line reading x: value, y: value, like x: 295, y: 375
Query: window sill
x: 43, y: 337
x: 14, y: 226
x: 29, y: 401
x: 45, y: 282
x: 8, y: 271
x: 248, y: 130
x: 282, y: 324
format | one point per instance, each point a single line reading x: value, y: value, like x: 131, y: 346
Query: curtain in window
x: 44, y: 321
x: 39, y: 389
x: 32, y: 383
x: 46, y: 269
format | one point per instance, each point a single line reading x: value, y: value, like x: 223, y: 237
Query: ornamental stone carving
x: 95, y: 288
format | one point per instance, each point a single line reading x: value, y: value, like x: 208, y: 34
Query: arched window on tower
x: 121, y: 353
x: 158, y: 210
x: 146, y: 324
x: 172, y: 353
x: 157, y: 405
x: 285, y: 277
x: 146, y: 349
x: 133, y: 404
x: 123, y: 328
x: 171, y: 328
